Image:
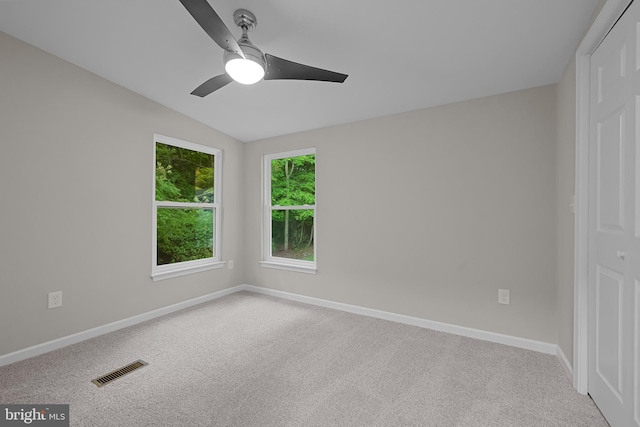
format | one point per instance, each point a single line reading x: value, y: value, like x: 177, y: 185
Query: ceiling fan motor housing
x: 246, y: 20
x: 250, y: 52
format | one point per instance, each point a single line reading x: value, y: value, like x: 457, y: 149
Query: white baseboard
x: 565, y: 363
x: 524, y: 343
x: 48, y: 346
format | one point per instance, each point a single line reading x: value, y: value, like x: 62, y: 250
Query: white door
x: 614, y: 223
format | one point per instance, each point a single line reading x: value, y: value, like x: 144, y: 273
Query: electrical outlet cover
x: 55, y: 299
x: 503, y: 296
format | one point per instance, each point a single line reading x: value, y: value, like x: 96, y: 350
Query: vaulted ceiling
x: 400, y: 55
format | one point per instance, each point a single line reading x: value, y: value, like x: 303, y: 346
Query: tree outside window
x: 290, y: 216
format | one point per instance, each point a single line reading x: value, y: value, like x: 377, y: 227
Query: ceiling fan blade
x: 212, y: 85
x: 211, y: 23
x: 279, y: 69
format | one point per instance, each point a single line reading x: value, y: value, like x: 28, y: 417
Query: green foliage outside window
x: 182, y: 175
x: 293, y: 183
x: 184, y: 235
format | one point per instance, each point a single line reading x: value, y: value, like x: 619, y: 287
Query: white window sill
x: 176, y: 272
x: 291, y: 267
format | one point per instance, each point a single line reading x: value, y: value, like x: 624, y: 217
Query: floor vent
x: 112, y: 376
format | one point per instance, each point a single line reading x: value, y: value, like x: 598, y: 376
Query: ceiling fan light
x: 244, y: 71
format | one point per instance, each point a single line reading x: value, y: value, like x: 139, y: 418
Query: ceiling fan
x: 244, y: 62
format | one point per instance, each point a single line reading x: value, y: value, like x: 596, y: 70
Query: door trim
x: 605, y: 20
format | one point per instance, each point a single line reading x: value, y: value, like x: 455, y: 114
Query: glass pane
x: 183, y: 175
x: 293, y: 181
x: 184, y: 235
x: 292, y: 234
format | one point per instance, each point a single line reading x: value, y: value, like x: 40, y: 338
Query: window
x: 186, y: 208
x: 290, y: 211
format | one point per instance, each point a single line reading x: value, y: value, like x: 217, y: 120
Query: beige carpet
x: 252, y: 360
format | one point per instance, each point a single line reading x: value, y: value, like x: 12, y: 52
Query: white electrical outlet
x: 503, y: 296
x: 230, y: 264
x: 55, y: 299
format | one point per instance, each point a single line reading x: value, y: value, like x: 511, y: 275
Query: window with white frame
x: 290, y: 210
x: 186, y: 208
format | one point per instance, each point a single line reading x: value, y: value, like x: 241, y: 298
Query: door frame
x: 606, y: 19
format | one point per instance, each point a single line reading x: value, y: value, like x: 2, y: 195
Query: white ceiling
x: 400, y: 55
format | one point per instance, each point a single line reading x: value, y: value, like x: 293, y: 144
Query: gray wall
x: 76, y: 189
x: 445, y: 206
x: 565, y: 171
x: 428, y: 213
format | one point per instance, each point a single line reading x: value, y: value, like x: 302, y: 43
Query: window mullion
x: 292, y: 208
x: 196, y: 205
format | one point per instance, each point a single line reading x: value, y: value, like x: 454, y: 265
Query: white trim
x: 292, y: 208
x: 170, y: 274
x: 288, y: 266
x: 48, y: 346
x: 564, y: 362
x: 185, y: 205
x: 509, y: 340
x: 293, y: 153
x: 596, y: 33
x: 168, y: 140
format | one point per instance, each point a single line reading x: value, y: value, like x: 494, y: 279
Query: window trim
x: 168, y: 271
x: 268, y: 260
